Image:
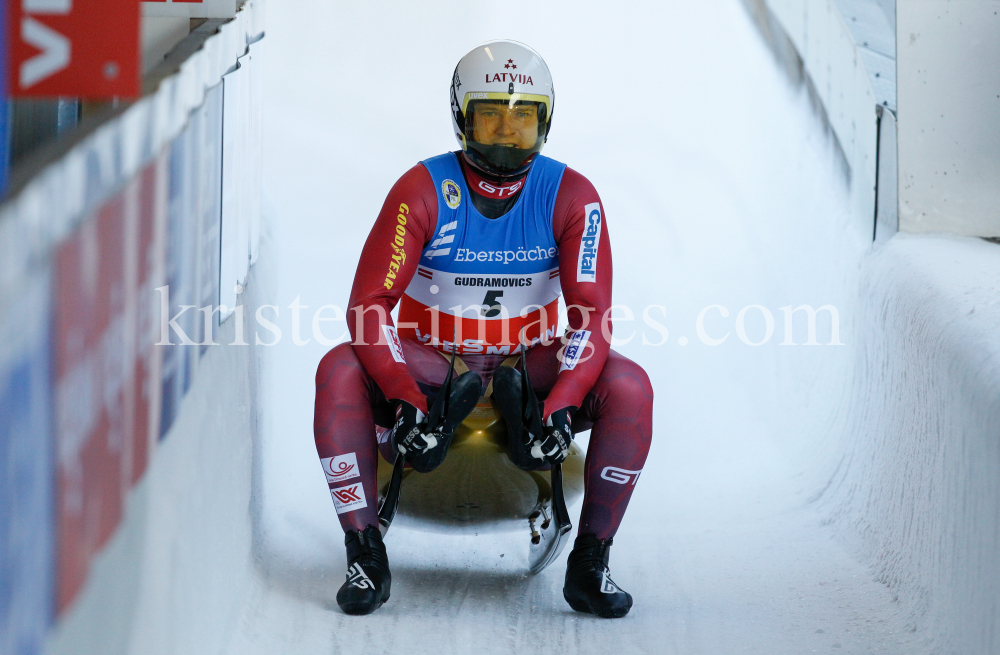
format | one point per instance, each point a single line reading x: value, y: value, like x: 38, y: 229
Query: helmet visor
x: 505, y: 130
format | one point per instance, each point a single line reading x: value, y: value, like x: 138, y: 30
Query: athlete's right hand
x: 553, y: 447
x: 410, y: 437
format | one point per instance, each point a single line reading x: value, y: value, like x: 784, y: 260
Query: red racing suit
x: 587, y: 302
x: 356, y: 383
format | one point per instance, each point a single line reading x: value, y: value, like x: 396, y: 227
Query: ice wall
x: 915, y: 489
x: 916, y: 440
x: 824, y: 53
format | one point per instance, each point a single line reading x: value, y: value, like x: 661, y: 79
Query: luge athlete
x: 498, y: 228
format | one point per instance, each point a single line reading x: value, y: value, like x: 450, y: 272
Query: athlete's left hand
x: 554, y: 447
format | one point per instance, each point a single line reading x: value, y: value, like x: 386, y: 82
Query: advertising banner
x: 193, y: 226
x: 106, y: 369
x: 82, y: 48
x: 183, y: 315
x: 4, y: 106
x: 207, y: 121
x: 147, y: 193
x: 90, y: 423
x: 26, y: 464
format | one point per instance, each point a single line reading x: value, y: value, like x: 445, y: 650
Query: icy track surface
x: 720, y: 188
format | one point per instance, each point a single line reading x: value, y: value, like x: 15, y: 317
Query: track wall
x: 151, y: 211
x: 915, y: 446
x: 949, y: 95
x: 818, y: 51
x: 915, y: 487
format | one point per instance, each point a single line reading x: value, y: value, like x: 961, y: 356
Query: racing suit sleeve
x: 586, y: 286
x: 388, y: 262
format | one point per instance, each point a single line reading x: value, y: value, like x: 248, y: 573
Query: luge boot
x: 368, y: 576
x: 589, y: 587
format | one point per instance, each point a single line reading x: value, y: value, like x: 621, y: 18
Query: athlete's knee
x: 339, y: 361
x: 642, y: 382
x: 628, y: 380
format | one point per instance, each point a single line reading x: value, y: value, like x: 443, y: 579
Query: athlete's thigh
x: 622, y: 389
x: 543, y: 367
x: 427, y: 366
x: 619, y: 378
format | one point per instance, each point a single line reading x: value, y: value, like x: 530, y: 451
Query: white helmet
x: 512, y: 87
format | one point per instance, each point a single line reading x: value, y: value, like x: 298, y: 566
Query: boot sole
x: 582, y: 606
x: 360, y: 609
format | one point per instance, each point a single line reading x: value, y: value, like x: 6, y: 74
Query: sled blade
x: 552, y: 539
x: 533, y: 423
x: 559, y: 501
x: 387, y: 511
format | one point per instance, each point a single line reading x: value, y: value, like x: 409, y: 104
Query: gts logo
x: 620, y: 476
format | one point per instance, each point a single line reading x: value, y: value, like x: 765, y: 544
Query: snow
x: 720, y: 189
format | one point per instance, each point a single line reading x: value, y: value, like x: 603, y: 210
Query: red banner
x: 106, y: 368
x: 77, y: 48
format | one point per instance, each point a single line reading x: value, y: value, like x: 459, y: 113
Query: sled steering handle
x: 533, y: 421
x: 436, y: 416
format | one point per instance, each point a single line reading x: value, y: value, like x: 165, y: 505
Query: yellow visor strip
x: 511, y: 98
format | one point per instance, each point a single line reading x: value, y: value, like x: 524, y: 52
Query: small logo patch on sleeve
x: 574, y: 350
x: 586, y: 267
x: 395, y: 345
x: 340, y: 468
x: 349, y: 498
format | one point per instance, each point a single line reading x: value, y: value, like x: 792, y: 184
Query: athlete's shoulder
x: 412, y: 195
x: 576, y: 184
x: 443, y: 158
x: 416, y: 178
x: 576, y: 194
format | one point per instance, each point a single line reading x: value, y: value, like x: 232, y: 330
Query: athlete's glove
x: 554, y: 447
x: 410, y: 436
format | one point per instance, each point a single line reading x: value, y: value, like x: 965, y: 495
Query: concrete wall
x: 837, y: 70
x: 949, y: 116
x: 873, y: 25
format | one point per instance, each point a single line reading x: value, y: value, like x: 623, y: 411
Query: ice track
x: 720, y: 188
